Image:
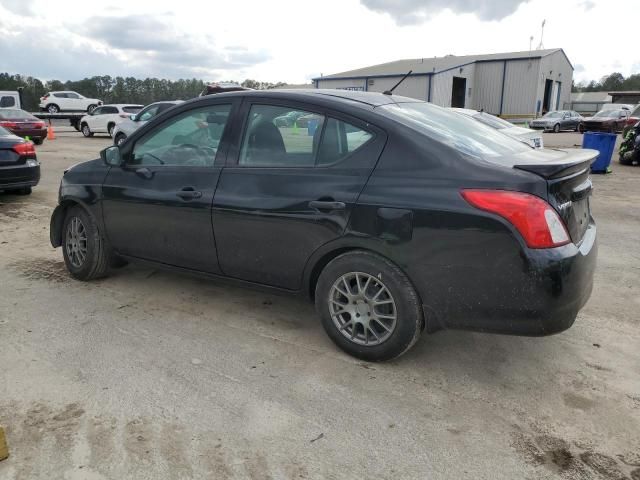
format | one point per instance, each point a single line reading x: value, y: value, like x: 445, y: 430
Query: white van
x: 9, y: 99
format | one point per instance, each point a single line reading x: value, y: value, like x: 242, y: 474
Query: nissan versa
x: 394, y: 215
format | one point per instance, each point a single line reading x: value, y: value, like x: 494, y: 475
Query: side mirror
x: 111, y: 156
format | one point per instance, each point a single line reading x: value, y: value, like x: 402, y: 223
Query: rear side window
x: 7, y: 102
x: 339, y: 140
x: 60, y: 95
x: 457, y: 131
x: 280, y: 137
x: 72, y: 95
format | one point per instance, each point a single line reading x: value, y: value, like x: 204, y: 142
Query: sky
x: 295, y: 41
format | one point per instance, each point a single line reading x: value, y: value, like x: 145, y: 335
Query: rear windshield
x: 132, y: 109
x: 458, y: 131
x: 15, y: 114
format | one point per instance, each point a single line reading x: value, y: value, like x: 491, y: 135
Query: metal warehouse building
x: 517, y: 84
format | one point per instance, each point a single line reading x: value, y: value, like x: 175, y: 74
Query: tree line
x: 615, y: 82
x: 116, y: 89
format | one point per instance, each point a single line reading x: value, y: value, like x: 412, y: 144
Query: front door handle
x: 144, y: 172
x: 188, y: 193
x: 327, y: 205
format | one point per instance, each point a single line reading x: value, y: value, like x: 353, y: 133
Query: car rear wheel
x: 368, y: 306
x: 91, y: 108
x: 556, y: 128
x: 120, y: 138
x: 23, y: 191
x: 110, y: 129
x: 53, y: 108
x: 85, y: 252
x: 38, y: 141
x: 86, y: 131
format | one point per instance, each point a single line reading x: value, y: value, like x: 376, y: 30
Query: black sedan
x: 19, y: 167
x: 395, y: 216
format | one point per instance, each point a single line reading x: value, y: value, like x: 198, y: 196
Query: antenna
x: 530, y: 43
x: 389, y: 92
x: 541, y: 45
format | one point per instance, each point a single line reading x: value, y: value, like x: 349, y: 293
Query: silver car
x: 124, y: 129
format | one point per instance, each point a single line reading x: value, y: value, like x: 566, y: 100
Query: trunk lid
x: 568, y: 185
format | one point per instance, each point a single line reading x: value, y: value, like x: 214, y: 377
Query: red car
x: 23, y: 124
x: 612, y: 121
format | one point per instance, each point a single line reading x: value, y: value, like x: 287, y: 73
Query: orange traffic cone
x: 50, y: 133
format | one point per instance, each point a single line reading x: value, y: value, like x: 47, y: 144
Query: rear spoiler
x: 576, y: 161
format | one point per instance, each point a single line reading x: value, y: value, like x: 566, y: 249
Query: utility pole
x: 541, y: 46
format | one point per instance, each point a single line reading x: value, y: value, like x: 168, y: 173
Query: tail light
x: 9, y: 125
x: 39, y: 125
x: 25, y: 149
x: 536, y: 220
x: 45, y: 97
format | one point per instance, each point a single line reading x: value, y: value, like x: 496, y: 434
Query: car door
x: 61, y: 100
x: 157, y: 205
x: 288, y: 190
x: 94, y: 119
x: 74, y: 102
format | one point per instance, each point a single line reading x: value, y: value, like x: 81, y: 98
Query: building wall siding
x: 442, y: 85
x: 341, y: 83
x: 412, y: 87
x: 556, y: 67
x: 521, y: 81
x: 488, y: 86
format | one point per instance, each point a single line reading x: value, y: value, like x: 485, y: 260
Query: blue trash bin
x: 604, y: 143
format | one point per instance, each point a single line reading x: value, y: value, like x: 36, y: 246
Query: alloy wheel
x: 76, y: 242
x: 362, y: 308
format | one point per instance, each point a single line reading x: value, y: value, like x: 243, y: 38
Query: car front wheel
x: 85, y: 252
x: 91, y: 108
x: 368, y: 306
x: 120, y: 138
x: 86, y: 131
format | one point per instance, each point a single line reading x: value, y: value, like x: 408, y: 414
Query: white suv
x: 54, y: 102
x: 104, y: 119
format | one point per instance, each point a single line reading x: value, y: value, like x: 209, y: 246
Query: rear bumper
x: 31, y: 132
x: 18, y: 176
x: 541, y: 297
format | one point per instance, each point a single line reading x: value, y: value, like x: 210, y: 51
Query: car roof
x: 372, y: 99
x: 121, y: 105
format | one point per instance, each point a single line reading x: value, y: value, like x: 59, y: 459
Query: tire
x: 52, y: 108
x: 110, y: 128
x: 581, y: 128
x: 91, y: 108
x: 86, y: 131
x: 38, y: 141
x: 95, y: 263
x: 375, y: 277
x: 120, y: 139
x: 577, y: 128
x: 556, y: 128
x: 625, y: 161
x: 23, y: 191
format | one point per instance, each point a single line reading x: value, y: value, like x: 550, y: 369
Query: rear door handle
x: 188, y: 193
x: 327, y: 205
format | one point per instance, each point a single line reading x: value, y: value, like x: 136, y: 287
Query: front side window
x: 189, y: 139
x: 72, y: 95
x: 148, y: 113
x: 458, y: 131
x: 280, y: 137
x: 97, y: 111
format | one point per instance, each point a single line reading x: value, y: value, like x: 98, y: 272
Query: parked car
x: 135, y: 121
x: 428, y: 220
x: 19, y: 167
x: 558, y: 120
x: 617, y: 106
x: 23, y: 124
x: 526, y: 135
x: 9, y: 99
x: 612, y: 121
x: 104, y: 119
x: 55, y: 102
x: 289, y: 119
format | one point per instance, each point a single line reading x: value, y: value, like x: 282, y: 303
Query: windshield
x: 553, y: 115
x: 492, y: 121
x: 608, y: 113
x: 15, y: 114
x: 458, y: 131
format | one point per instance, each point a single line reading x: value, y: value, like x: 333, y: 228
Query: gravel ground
x: 152, y: 375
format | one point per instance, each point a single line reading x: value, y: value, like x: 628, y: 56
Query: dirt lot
x: 150, y: 375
